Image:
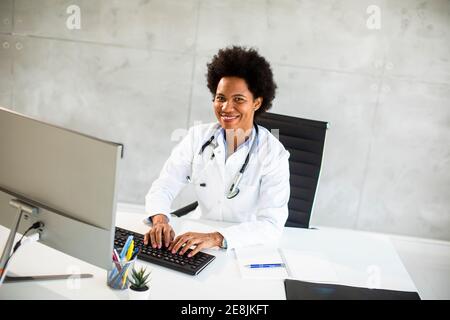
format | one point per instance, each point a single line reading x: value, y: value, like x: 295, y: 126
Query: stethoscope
x: 234, y: 188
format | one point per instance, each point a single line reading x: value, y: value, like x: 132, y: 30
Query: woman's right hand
x: 160, y: 232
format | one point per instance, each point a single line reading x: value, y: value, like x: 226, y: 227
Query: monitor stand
x: 27, y: 210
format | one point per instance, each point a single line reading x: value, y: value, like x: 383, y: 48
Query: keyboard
x: 164, y: 257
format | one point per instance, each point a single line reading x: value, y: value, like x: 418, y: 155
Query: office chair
x: 304, y: 139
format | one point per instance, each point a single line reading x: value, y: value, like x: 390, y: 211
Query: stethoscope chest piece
x: 232, y: 193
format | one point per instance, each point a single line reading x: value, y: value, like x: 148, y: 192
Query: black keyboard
x: 164, y: 257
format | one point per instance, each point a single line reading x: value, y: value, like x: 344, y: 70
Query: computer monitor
x: 70, y: 179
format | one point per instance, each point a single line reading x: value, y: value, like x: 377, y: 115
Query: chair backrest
x: 304, y: 139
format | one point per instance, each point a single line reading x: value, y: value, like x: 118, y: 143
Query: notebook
x: 301, y: 290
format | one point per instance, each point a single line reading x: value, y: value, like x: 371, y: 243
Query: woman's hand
x: 199, y: 240
x: 161, y: 230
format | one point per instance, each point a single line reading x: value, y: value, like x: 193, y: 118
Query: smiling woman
x: 234, y: 179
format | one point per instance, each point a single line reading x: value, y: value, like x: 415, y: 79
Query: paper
x: 260, y: 255
x: 309, y: 266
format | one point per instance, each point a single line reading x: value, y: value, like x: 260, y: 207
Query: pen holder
x: 118, y: 276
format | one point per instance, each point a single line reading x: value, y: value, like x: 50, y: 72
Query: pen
x: 130, y: 251
x: 265, y: 265
x: 135, y: 253
x: 116, y: 260
x: 117, y: 280
x: 116, y: 255
x: 123, y: 253
x: 125, y: 276
x: 118, y: 268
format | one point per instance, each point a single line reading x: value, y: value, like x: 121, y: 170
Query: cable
x: 35, y: 225
x: 33, y: 238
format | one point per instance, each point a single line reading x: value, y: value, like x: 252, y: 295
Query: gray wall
x: 134, y: 73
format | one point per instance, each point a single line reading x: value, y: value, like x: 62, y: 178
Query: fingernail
x: 190, y: 255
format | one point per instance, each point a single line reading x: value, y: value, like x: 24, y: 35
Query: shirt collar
x: 247, y: 143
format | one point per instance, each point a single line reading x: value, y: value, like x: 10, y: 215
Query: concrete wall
x: 134, y: 73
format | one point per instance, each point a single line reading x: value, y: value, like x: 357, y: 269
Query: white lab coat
x: 260, y: 208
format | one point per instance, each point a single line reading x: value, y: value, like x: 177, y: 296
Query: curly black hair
x: 247, y: 64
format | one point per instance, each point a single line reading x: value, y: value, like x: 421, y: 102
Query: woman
x: 212, y: 155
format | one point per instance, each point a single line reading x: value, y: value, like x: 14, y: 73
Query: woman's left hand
x: 199, y: 240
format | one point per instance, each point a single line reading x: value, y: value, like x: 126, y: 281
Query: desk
x: 352, y: 252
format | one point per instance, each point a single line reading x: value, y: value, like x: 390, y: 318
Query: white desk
x: 353, y: 254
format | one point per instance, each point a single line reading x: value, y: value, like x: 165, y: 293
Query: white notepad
x: 260, y: 255
x: 299, y: 265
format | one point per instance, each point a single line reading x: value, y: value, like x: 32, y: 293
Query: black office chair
x: 304, y: 139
